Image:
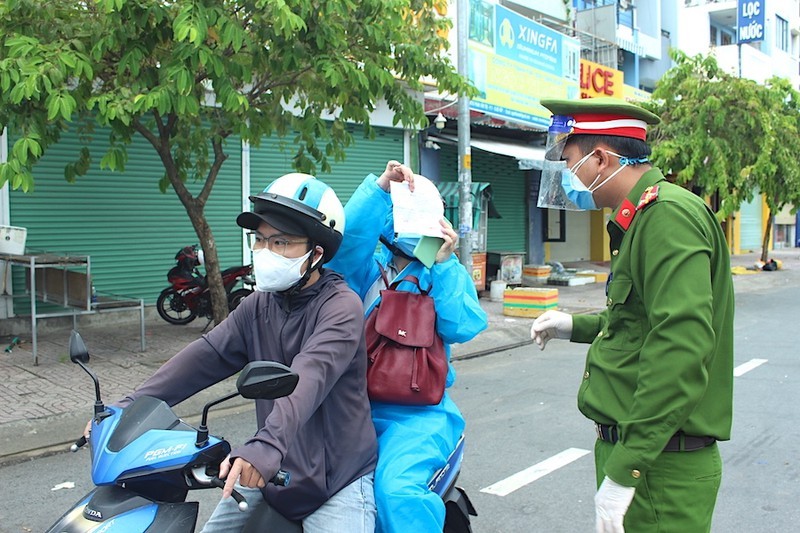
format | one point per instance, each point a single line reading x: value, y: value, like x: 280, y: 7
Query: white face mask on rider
x: 275, y: 273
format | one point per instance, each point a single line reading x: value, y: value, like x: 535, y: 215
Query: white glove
x: 551, y: 325
x: 610, y: 505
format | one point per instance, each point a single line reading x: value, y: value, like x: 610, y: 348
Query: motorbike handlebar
x: 281, y: 479
x: 220, y: 484
x: 78, y: 444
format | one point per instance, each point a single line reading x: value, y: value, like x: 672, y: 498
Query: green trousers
x: 677, y: 494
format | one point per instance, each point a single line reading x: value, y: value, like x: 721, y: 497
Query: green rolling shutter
x: 750, y: 225
x: 273, y: 158
x: 508, y: 233
x: 122, y: 221
x: 132, y: 232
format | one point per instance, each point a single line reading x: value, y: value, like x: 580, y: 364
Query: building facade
x: 519, y: 52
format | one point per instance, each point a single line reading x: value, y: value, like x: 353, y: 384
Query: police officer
x: 658, y: 380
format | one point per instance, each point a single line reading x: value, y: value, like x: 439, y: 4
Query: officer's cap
x: 604, y: 116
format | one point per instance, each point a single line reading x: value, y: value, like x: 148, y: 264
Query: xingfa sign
x: 750, y: 21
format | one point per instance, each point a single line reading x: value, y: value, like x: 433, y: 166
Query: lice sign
x: 750, y: 21
x: 599, y: 80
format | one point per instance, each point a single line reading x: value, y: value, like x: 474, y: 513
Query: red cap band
x: 603, y: 124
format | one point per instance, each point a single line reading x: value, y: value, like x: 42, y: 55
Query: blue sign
x: 528, y: 42
x: 750, y: 21
x: 514, y: 61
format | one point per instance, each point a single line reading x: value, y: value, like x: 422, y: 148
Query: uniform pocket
x: 626, y: 317
x: 619, y: 290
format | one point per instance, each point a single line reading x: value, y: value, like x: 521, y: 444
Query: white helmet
x: 299, y: 204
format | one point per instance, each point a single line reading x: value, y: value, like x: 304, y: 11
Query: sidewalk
x: 44, y: 407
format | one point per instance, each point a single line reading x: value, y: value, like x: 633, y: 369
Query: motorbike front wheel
x: 235, y: 298
x: 172, y: 307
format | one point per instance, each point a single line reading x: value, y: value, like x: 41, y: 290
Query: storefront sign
x: 750, y: 20
x: 514, y: 62
x: 634, y: 94
x: 600, y: 80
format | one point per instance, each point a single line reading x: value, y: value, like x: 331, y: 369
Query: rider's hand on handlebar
x: 241, y: 470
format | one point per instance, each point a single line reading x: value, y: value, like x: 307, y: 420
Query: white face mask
x: 275, y: 273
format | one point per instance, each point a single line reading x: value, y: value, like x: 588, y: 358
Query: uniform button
x: 599, y: 333
x: 636, y: 474
x: 615, y: 252
x: 626, y: 213
x: 610, y: 301
x: 586, y: 375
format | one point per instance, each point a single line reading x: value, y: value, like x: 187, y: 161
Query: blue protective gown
x: 413, y: 441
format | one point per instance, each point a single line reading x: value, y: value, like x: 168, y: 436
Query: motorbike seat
x: 184, y: 278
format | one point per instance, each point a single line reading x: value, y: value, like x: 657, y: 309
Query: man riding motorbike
x: 304, y: 316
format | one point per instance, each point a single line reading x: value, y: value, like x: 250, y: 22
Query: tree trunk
x: 219, y: 298
x: 195, y: 207
x: 766, y: 240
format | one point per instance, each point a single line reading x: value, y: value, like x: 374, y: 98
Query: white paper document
x: 419, y: 211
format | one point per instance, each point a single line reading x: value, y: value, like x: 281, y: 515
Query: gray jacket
x: 322, y: 433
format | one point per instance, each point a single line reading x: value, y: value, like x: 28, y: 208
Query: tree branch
x: 213, y: 172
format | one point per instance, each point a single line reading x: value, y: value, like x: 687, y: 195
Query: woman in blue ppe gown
x: 413, y: 441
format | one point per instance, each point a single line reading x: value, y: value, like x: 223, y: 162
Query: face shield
x: 551, y: 193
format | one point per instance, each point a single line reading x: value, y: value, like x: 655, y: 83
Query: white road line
x: 747, y: 367
x: 531, y: 474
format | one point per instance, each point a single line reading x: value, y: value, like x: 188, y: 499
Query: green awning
x: 450, y: 195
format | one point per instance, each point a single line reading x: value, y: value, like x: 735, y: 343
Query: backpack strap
x: 383, y: 274
x: 411, y: 279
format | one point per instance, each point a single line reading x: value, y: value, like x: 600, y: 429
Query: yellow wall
x: 733, y: 234
x: 598, y: 239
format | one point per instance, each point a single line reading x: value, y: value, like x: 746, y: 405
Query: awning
x: 450, y: 195
x: 529, y: 157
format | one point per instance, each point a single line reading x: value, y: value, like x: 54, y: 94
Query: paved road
x: 520, y: 407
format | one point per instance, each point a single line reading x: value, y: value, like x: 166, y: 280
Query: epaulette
x: 649, y: 195
x: 625, y: 214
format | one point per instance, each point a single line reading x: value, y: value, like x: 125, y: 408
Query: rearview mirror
x: 266, y: 380
x: 77, y: 349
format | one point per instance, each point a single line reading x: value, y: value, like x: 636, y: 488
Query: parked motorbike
x: 145, y: 459
x: 188, y: 295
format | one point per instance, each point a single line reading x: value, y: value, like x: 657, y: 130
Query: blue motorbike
x: 145, y: 460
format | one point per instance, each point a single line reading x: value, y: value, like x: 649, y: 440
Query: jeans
x: 352, y: 509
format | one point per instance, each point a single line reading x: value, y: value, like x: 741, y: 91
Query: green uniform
x: 661, y: 355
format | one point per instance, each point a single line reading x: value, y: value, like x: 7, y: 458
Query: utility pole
x: 464, y: 150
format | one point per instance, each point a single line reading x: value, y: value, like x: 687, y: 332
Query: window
x: 726, y: 38
x: 781, y: 33
x: 721, y: 36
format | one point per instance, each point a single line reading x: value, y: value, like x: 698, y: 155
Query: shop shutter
x: 750, y: 224
x: 130, y: 230
x: 273, y: 158
x: 508, y: 233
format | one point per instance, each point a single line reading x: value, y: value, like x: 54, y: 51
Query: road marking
x: 531, y: 474
x: 747, y: 367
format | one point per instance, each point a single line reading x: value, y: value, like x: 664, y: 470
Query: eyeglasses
x: 276, y: 243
